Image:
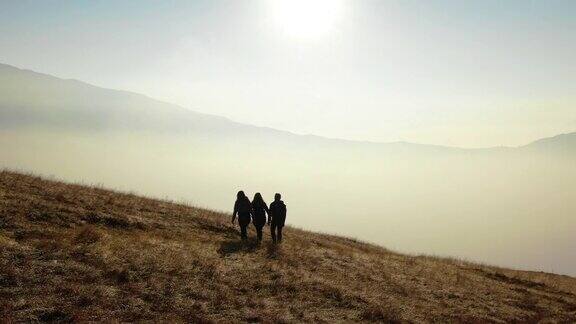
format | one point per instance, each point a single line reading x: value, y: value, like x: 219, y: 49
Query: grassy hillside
x: 71, y: 252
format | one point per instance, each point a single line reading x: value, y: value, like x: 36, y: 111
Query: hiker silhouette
x: 243, y: 208
x: 277, y: 217
x: 259, y: 211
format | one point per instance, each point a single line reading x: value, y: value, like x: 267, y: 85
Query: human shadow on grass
x: 237, y: 246
x: 273, y: 250
x: 228, y: 247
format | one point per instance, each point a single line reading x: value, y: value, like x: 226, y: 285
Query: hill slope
x: 72, y: 252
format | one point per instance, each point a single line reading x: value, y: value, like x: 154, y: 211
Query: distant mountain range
x: 29, y: 100
x: 559, y: 143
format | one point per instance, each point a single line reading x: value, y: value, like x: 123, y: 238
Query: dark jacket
x: 242, y: 207
x: 278, y: 212
x: 259, y: 211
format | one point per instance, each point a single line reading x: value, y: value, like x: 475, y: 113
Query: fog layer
x: 511, y: 207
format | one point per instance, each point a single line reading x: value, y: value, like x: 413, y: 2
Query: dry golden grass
x: 71, y: 252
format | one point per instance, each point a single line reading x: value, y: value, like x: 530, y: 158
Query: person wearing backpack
x: 259, y: 211
x: 242, y: 208
x: 277, y: 217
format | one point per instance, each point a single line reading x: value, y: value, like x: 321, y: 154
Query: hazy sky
x: 464, y: 73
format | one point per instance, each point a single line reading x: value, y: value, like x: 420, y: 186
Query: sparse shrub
x: 53, y: 315
x: 85, y: 300
x: 38, y: 216
x: 8, y: 275
x: 88, y: 235
x: 528, y: 302
x: 120, y: 276
x: 32, y: 233
x: 121, y: 222
x: 61, y: 197
x: 5, y: 222
x: 199, y: 319
x: 384, y: 314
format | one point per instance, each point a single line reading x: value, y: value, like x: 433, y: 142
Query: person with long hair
x: 242, y: 208
x: 259, y: 211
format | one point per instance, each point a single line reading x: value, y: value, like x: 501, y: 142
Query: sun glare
x: 306, y: 18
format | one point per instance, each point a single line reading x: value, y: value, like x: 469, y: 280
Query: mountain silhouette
x: 30, y: 99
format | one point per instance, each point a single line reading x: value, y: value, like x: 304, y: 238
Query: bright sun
x: 306, y: 18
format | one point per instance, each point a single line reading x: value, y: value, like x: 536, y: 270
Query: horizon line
x: 369, y: 142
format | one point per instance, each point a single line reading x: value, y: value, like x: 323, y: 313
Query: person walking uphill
x: 259, y: 211
x: 277, y: 216
x: 242, y: 207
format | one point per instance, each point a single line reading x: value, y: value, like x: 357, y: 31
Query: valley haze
x: 509, y: 206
